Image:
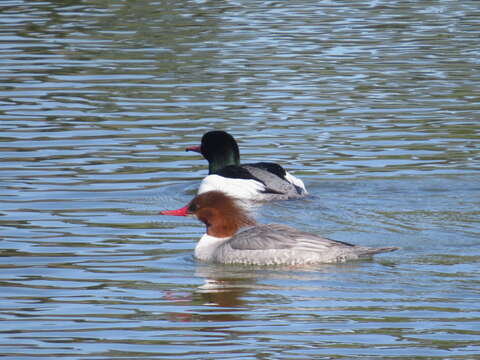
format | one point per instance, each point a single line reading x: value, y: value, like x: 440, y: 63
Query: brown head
x: 218, y: 211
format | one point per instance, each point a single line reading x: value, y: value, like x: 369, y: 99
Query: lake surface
x: 375, y: 105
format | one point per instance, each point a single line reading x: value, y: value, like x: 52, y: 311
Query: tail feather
x: 372, y: 251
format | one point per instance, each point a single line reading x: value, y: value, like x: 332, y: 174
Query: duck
x: 233, y: 237
x: 262, y: 181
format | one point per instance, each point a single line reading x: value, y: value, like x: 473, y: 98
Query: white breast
x: 207, y: 247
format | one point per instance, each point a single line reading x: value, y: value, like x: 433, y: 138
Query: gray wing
x: 273, y: 181
x: 277, y: 236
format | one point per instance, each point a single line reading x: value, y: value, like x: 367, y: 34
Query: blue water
x: 374, y: 105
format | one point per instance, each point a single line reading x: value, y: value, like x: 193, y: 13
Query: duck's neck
x: 219, y: 161
x: 227, y: 226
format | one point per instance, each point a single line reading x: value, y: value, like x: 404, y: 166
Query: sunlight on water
x: 374, y: 105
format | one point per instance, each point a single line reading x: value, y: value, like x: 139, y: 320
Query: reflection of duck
x: 261, y: 181
x: 224, y: 291
x: 260, y: 244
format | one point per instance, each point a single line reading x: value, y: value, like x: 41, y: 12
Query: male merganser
x: 233, y: 237
x: 261, y: 181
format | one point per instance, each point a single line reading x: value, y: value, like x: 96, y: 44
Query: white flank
x: 295, y: 181
x: 236, y: 188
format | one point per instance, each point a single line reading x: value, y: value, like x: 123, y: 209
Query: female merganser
x: 233, y: 237
x: 261, y: 181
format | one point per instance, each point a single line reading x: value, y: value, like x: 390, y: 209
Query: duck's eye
x: 193, y: 207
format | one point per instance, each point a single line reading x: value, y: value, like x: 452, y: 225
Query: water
x: 375, y: 105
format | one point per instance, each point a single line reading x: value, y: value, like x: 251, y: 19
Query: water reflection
x: 231, y: 285
x: 224, y: 286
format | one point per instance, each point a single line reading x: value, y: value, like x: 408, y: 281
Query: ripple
x: 374, y: 105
